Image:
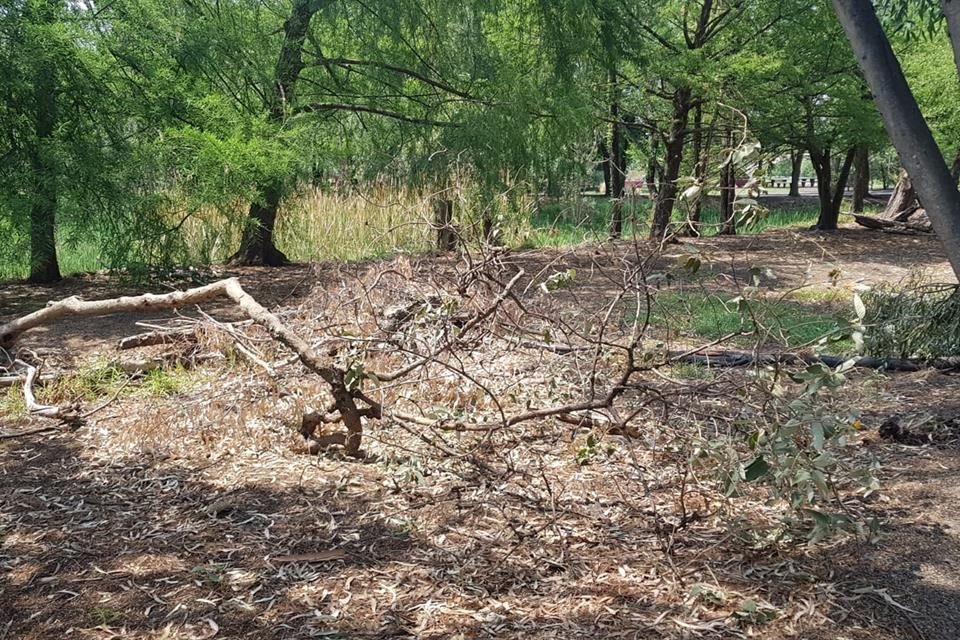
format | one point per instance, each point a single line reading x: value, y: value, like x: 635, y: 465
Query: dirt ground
x: 194, y: 513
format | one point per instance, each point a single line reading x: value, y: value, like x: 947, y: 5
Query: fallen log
x: 871, y: 222
x: 747, y: 358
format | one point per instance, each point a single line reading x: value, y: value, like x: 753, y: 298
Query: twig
x: 41, y: 410
x: 29, y: 432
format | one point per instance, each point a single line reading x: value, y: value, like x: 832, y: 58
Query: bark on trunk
x: 43, y: 210
x: 820, y: 159
x: 861, y: 186
x: 604, y: 152
x: 699, y: 172
x: 667, y: 196
x: 908, y: 130
x: 796, y: 166
x: 903, y: 201
x: 446, y: 234
x: 728, y: 191
x: 653, y: 168
x: 951, y: 11
x: 257, y: 244
x: 831, y: 196
x: 618, y: 158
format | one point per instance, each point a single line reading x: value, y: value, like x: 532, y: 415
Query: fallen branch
x: 747, y: 358
x: 871, y: 222
x: 66, y: 413
x: 344, y: 397
x: 11, y: 381
x: 28, y: 432
x: 151, y: 338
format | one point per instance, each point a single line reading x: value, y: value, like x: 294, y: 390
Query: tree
x: 31, y: 52
x: 66, y: 147
x: 257, y: 245
x: 861, y: 185
x: 908, y: 130
x: 808, y: 97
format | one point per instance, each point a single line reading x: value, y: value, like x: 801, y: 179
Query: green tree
x: 908, y: 130
x: 68, y: 131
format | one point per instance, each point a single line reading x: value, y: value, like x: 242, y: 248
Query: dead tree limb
x: 344, y: 396
x: 871, y: 222
x: 34, y: 408
x: 151, y: 338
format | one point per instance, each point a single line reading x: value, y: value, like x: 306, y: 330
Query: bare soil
x: 193, y: 513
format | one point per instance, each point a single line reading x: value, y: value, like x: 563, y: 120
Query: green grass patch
x: 12, y: 404
x: 786, y: 218
x: 580, y: 220
x: 101, y: 379
x: 92, y: 380
x: 164, y: 382
x: 699, y: 315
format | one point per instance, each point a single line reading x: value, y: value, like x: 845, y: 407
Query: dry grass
x: 329, y: 225
x: 318, y: 225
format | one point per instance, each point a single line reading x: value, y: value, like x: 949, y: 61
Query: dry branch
x: 67, y: 413
x: 151, y: 338
x: 882, y: 224
x: 344, y: 397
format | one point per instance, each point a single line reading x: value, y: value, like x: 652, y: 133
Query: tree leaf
x: 756, y: 469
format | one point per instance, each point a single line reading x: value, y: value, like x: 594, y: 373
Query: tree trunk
x: 653, y: 168
x: 951, y: 11
x: 903, y: 199
x: 604, y: 152
x: 728, y: 190
x: 43, y: 209
x: 861, y: 186
x: 820, y: 159
x: 796, y: 166
x: 618, y: 158
x: 908, y: 131
x: 667, y: 196
x: 446, y: 234
x: 699, y: 172
x: 831, y: 197
x: 257, y: 245
x: 841, y: 187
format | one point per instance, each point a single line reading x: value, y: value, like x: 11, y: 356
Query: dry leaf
x: 319, y: 556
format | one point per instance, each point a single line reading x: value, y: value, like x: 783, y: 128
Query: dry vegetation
x: 186, y: 507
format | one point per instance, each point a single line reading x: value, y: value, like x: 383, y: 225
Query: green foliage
x: 588, y: 451
x: 712, y: 316
x: 796, y: 451
x: 164, y: 382
x: 914, y: 320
